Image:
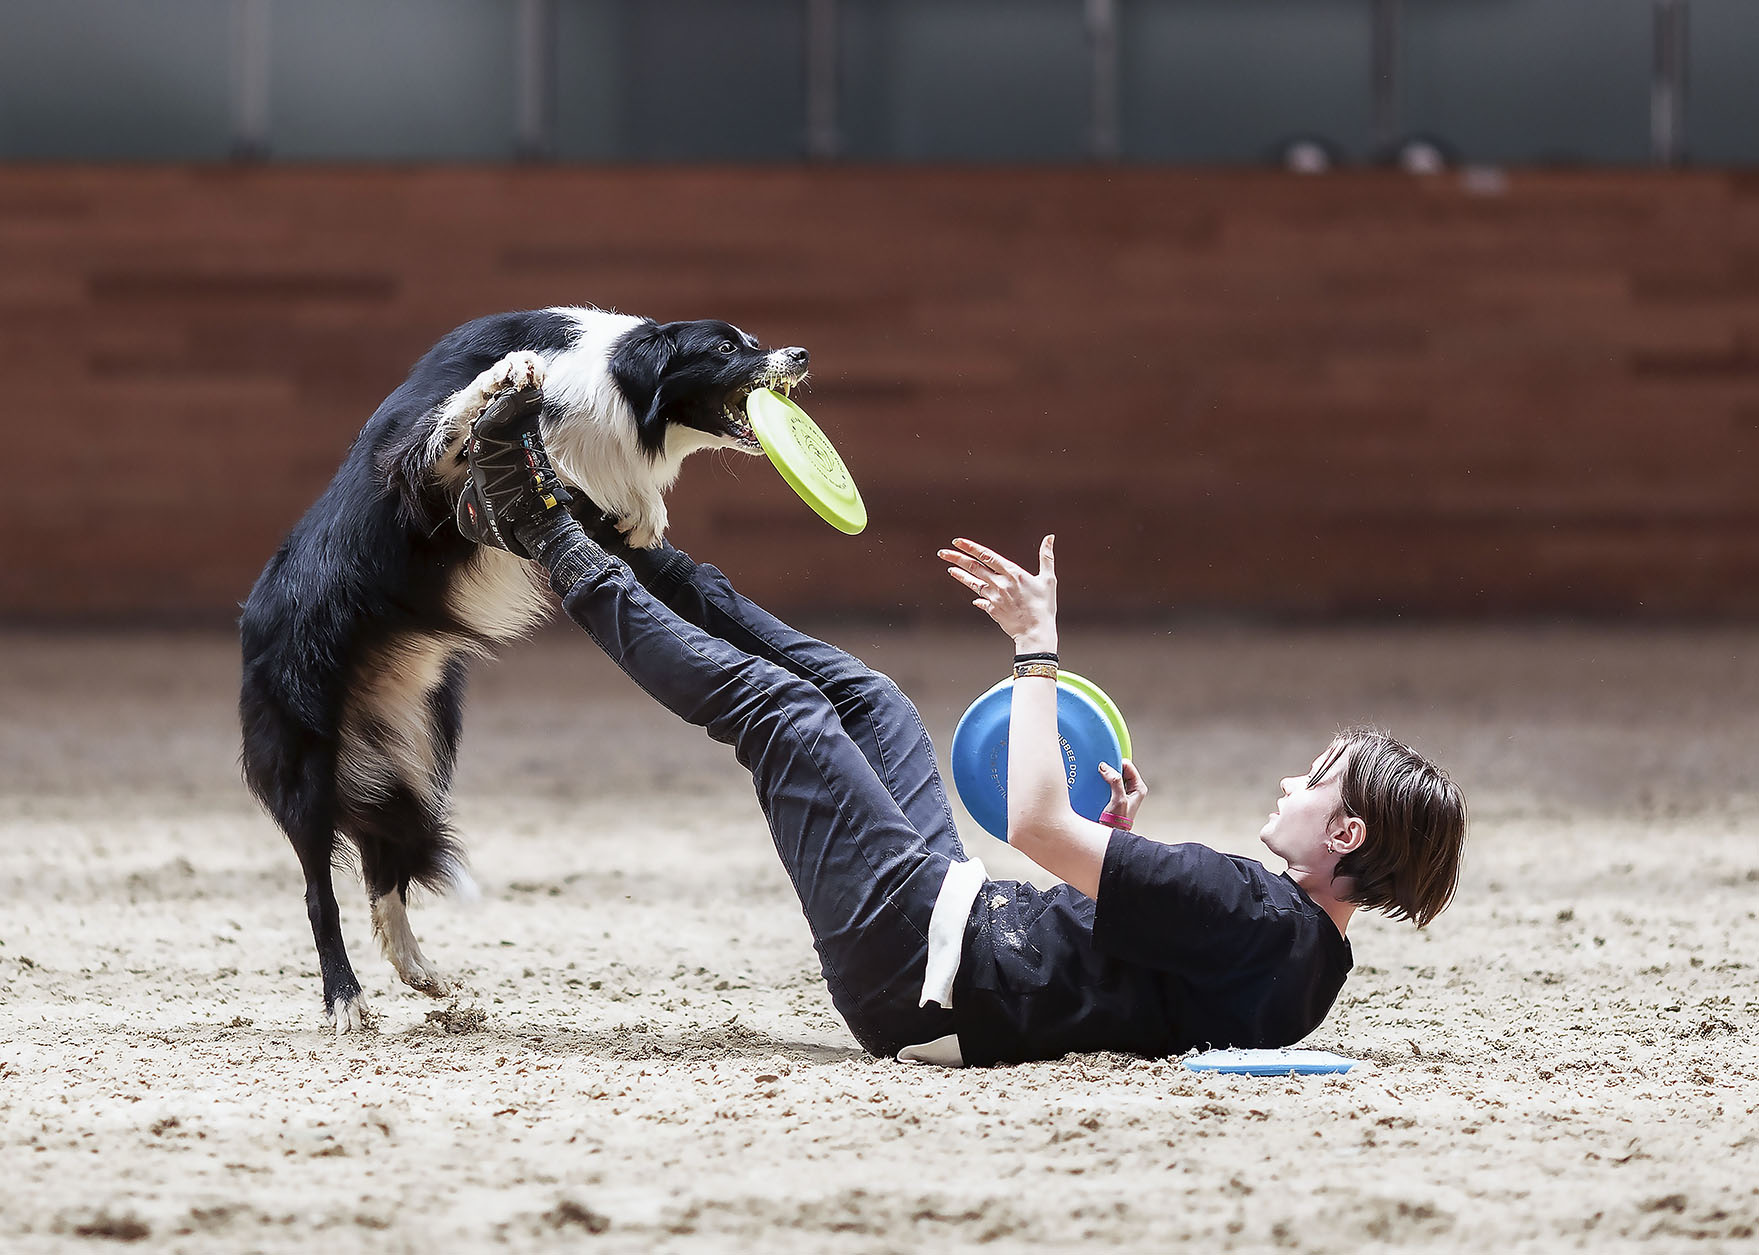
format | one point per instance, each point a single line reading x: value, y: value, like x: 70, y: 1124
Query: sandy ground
x: 645, y: 1058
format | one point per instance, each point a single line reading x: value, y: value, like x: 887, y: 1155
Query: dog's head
x: 696, y: 375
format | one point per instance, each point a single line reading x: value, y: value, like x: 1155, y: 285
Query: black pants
x: 844, y: 771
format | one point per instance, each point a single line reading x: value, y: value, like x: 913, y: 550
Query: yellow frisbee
x: 806, y: 459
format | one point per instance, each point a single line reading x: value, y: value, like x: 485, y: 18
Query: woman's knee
x: 789, y: 707
x: 801, y: 699
x: 887, y: 702
x: 874, y: 688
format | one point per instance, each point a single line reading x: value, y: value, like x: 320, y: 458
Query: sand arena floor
x: 644, y: 1058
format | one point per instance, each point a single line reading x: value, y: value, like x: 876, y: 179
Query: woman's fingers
x: 953, y: 557
x: 1134, y: 779
x: 987, y: 556
x: 970, y: 581
x: 1047, y: 556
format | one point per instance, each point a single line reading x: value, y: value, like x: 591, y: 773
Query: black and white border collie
x: 358, y: 633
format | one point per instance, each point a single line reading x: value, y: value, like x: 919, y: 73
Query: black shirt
x: 1186, y: 948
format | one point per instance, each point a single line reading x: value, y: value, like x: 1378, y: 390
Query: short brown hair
x: 1415, y: 814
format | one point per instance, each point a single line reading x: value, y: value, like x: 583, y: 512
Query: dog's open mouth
x: 733, y: 409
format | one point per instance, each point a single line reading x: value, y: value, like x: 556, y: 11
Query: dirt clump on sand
x: 459, y: 1019
x: 646, y: 1057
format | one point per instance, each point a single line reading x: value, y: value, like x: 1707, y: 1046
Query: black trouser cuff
x: 672, y: 572
x: 662, y: 571
x: 567, y: 553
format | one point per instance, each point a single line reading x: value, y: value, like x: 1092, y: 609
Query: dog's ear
x: 639, y: 363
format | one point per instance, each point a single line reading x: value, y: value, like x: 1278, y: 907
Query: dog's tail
x: 456, y: 878
x: 438, y: 865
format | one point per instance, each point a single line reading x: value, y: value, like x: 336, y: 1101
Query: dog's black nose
x: 797, y: 357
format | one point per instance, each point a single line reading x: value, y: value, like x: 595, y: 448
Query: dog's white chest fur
x: 590, y: 431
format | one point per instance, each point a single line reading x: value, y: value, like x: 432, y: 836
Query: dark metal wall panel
x: 1531, y: 81
x: 1227, y: 81
x: 715, y: 81
x: 681, y: 80
x: 104, y: 80
x: 1722, y: 94
x: 401, y: 80
x: 1519, y: 82
x: 965, y: 80
x: 591, y: 72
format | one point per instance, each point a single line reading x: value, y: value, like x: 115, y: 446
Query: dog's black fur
x: 357, y: 636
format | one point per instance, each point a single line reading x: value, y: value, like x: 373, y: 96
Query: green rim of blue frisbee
x: 806, y: 460
x: 1087, y: 688
x: 1098, y: 696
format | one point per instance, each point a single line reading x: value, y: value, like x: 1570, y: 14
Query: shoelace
x: 543, y: 475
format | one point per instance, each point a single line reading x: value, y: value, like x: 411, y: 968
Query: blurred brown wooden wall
x: 1361, y: 394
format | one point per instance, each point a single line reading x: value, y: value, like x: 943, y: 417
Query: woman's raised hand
x: 1023, y: 605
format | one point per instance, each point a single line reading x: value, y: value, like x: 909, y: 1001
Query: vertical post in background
x: 1667, y: 85
x: 1388, y: 62
x: 534, y: 80
x: 1103, y: 138
x: 250, y: 79
x: 822, y: 140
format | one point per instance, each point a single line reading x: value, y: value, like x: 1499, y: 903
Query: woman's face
x: 1302, y: 823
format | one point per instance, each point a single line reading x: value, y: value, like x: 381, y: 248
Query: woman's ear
x: 1349, y: 835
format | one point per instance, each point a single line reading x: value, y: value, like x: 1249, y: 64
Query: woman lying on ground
x: 1150, y: 948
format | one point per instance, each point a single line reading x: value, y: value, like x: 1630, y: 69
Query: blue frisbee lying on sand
x: 1271, y: 1062
x: 1089, y: 726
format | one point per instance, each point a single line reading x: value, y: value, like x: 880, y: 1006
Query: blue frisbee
x: 1271, y: 1062
x: 1086, y: 729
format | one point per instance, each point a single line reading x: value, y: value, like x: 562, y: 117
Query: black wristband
x: 1048, y: 655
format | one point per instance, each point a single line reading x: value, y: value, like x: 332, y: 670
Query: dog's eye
x: 726, y: 346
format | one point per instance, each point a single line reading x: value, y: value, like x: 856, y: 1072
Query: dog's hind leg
x: 293, y: 773
x: 398, y: 944
x: 315, y: 844
x: 402, y: 841
x: 400, y: 742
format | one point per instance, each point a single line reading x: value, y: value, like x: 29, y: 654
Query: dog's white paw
x: 646, y: 528
x: 424, y: 978
x: 445, y: 443
x: 352, y: 1015
x: 523, y: 369
x: 398, y: 944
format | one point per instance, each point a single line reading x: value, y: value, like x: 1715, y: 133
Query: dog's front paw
x: 445, y: 443
x: 644, y: 530
x: 523, y: 369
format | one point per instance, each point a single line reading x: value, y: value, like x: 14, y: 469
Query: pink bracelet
x: 1112, y: 819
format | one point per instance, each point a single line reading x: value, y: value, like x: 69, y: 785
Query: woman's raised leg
x: 866, y: 878
x: 879, y: 718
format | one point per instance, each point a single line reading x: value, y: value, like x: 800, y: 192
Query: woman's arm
x: 1041, y: 823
